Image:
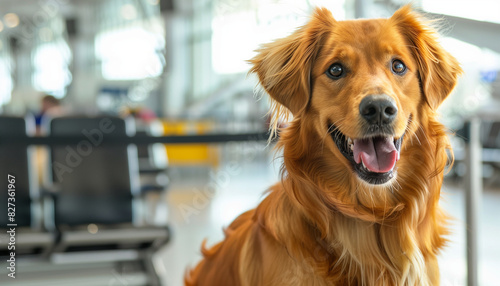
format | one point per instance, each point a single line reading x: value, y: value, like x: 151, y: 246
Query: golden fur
x: 322, y: 225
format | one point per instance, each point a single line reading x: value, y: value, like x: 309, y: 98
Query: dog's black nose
x: 378, y: 109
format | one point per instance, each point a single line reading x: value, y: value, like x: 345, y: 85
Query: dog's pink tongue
x: 378, y: 154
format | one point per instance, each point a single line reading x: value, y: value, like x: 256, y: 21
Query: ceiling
x: 36, y: 8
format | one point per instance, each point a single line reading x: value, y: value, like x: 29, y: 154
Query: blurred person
x: 50, y: 106
x: 143, y: 114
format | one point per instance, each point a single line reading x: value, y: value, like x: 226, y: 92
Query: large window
x: 239, y: 27
x: 129, y: 53
x: 131, y: 40
x: 51, y: 58
x: 51, y: 73
x: 5, y: 75
x: 481, y: 10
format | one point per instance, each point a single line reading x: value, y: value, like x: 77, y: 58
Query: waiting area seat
x: 490, y: 149
x: 153, y: 170
x: 20, y: 204
x: 94, y: 210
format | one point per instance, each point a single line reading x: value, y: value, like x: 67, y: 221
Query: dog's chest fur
x: 355, y: 252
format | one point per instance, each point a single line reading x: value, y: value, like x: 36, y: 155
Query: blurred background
x: 94, y: 212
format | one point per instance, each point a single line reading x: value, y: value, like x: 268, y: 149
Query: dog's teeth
x: 352, y: 147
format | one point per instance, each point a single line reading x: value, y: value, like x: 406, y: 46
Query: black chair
x: 490, y: 149
x: 491, y: 134
x: 152, y: 157
x: 153, y: 170
x: 17, y: 163
x: 98, y: 205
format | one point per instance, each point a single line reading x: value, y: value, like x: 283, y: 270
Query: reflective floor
x: 204, y: 200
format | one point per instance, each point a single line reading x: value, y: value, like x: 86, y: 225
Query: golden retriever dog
x: 364, y: 157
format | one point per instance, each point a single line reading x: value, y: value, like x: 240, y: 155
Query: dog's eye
x: 335, y: 71
x: 398, y: 67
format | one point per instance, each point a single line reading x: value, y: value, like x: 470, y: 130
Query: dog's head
x: 360, y: 92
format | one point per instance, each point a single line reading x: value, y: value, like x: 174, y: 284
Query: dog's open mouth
x: 373, y: 158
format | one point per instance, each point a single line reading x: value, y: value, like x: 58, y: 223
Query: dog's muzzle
x: 373, y: 157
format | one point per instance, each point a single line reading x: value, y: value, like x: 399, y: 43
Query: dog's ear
x: 438, y: 70
x: 284, y: 66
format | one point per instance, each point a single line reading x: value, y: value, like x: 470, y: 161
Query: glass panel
x: 5, y: 72
x: 481, y: 10
x: 128, y: 53
x: 131, y: 40
x: 51, y: 57
x: 239, y: 27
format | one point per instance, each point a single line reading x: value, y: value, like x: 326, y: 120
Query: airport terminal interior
x: 131, y: 132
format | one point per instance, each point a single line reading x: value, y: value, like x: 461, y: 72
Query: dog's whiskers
x: 336, y: 125
x: 407, y: 129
